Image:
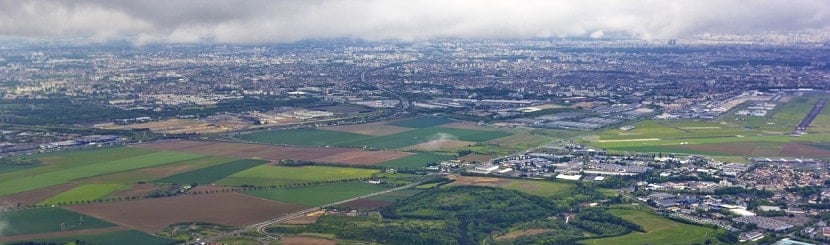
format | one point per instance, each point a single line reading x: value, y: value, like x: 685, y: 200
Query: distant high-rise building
x: 672, y: 42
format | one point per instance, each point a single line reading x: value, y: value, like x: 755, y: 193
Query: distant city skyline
x: 192, y: 21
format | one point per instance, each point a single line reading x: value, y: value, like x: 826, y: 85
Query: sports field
x: 272, y: 175
x: 659, y: 230
x: 61, y: 168
x: 319, y: 194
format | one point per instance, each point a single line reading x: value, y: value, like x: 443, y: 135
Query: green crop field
x: 303, y: 137
x: 40, y: 220
x: 61, y: 169
x: 418, y: 160
x: 116, y: 237
x: 5, y: 168
x: 395, y: 195
x: 156, y: 172
x: 421, y: 135
x: 538, y: 187
x: 421, y: 122
x: 319, y: 194
x: 211, y: 174
x: 88, y: 192
x: 272, y: 175
x: 659, y: 230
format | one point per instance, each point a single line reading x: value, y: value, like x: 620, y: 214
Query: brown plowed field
x: 35, y: 196
x: 796, y: 149
x: 276, y: 153
x: 153, y: 215
x: 306, y: 240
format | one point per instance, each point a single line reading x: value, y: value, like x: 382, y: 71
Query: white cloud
x: 285, y: 21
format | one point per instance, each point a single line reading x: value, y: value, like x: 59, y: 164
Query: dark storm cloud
x: 285, y: 21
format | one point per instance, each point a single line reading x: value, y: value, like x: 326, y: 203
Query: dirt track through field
x: 276, y: 153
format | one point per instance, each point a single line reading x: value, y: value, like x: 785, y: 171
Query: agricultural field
x: 5, y: 168
x: 303, y: 137
x: 273, y: 175
x: 533, y: 187
x: 211, y: 174
x: 65, y: 167
x: 41, y: 220
x: 87, y: 192
x: 659, y: 230
x: 318, y: 194
x: 421, y: 122
x: 348, y: 156
x: 421, y: 135
x: 115, y: 237
x: 418, y: 160
x: 391, y: 135
x: 373, y: 129
x: 154, y: 215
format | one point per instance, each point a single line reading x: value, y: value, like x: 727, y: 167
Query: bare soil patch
x: 374, y: 129
x: 35, y: 196
x: 153, y: 215
x: 478, y: 181
x: 178, y: 126
x: 302, y: 220
x: 276, y: 153
x: 476, y: 158
x: 306, y: 240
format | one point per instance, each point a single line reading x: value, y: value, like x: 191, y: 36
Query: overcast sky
x: 233, y: 21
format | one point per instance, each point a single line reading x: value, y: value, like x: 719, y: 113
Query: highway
x: 260, y: 227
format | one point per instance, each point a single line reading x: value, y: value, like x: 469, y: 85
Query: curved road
x: 260, y: 227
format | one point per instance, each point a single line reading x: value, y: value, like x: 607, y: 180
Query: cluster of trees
x: 18, y: 161
x: 69, y: 111
x: 763, y: 194
x: 602, y: 223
